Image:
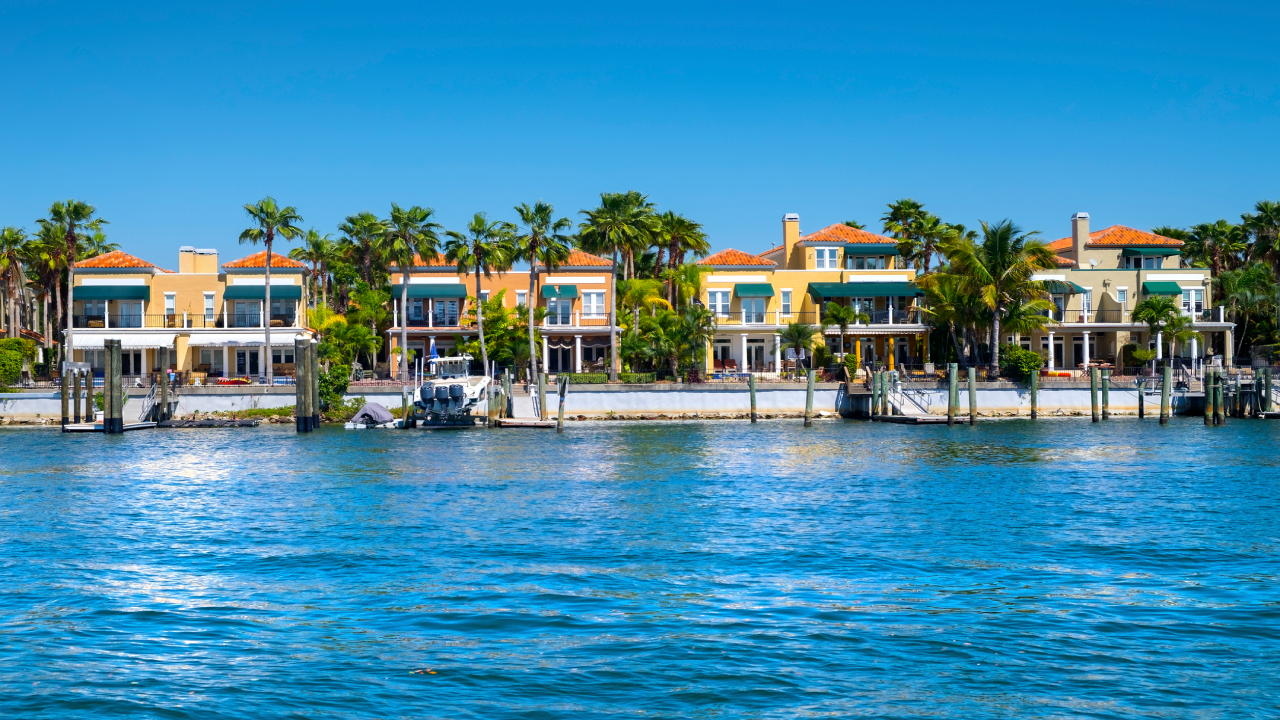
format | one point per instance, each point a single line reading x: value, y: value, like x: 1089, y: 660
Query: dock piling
x: 808, y: 400
x: 1166, y: 381
x: 886, y: 407
x: 1219, y: 398
x: 113, y: 413
x: 313, y: 375
x: 1093, y: 393
x: 1106, y: 394
x: 973, y: 396
x: 1035, y: 394
x: 301, y: 388
x: 66, y: 407
x: 751, y: 382
x: 953, y: 393
x: 562, y: 388
x: 164, y: 385
x: 75, y: 398
x: 542, y: 396
x: 875, y: 394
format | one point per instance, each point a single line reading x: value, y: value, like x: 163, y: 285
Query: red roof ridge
x: 841, y: 233
x: 259, y: 260
x: 1118, y: 236
x: 114, y: 259
x: 731, y: 257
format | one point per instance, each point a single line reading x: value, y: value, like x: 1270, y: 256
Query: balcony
x: 576, y: 320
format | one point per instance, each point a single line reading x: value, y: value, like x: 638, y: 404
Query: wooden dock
x: 209, y: 423
x: 97, y: 427
x: 914, y: 419
x: 526, y: 423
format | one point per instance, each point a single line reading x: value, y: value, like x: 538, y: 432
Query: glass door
x: 246, y: 362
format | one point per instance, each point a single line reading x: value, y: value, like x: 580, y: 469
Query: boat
x: 451, y: 395
x: 372, y: 415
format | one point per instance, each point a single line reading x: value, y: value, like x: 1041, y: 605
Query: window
x: 1192, y: 301
x: 170, y: 301
x: 446, y: 313
x: 718, y: 300
x: 1122, y: 296
x: 281, y: 356
x: 1144, y: 263
x: 593, y: 304
x: 869, y: 263
x: 1086, y: 301
x: 786, y: 302
x: 753, y: 310
x: 1058, y: 303
x: 247, y: 313
x: 863, y: 305
x: 95, y: 307
x: 208, y: 307
x: 130, y: 314
x: 522, y: 297
x: 825, y: 258
x: 415, y: 308
x: 559, y: 309
x: 484, y: 296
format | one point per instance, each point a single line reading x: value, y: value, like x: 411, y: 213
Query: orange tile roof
x: 1065, y: 262
x: 114, y: 259
x: 577, y: 258
x: 735, y: 257
x: 844, y: 234
x: 259, y: 260
x: 437, y: 261
x: 1118, y: 236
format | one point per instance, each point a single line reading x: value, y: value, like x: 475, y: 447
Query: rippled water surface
x: 710, y: 570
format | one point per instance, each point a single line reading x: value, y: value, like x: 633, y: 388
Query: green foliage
x: 851, y: 363
x: 13, y: 353
x: 1126, y: 354
x: 602, y: 378
x: 1019, y: 363
x: 333, y: 385
x: 822, y: 357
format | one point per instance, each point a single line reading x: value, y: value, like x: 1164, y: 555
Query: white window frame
x: 1122, y: 296
x: 785, y: 300
x: 718, y: 302
x: 1189, y: 301
x: 826, y: 258
x: 522, y: 297
x: 210, y: 310
x: 170, y: 303
x: 593, y: 304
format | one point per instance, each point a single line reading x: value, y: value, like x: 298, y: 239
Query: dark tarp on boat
x: 372, y: 414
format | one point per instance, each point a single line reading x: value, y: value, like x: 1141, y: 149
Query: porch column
x: 777, y: 353
x: 1194, y: 355
x: 431, y: 315
x: 577, y: 353
x: 745, y: 367
x: 395, y: 313
x: 1051, y: 350
x: 889, y: 304
x: 1159, y: 346
x: 1227, y: 348
x: 890, y: 348
x: 546, y: 355
x: 1084, y: 343
x: 224, y: 317
x: 857, y: 352
x: 106, y: 315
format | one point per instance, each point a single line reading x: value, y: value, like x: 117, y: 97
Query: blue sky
x: 169, y: 120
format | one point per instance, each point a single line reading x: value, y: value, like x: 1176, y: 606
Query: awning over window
x: 559, y: 291
x: 128, y: 341
x: 827, y: 291
x: 280, y: 337
x: 1149, y: 251
x: 1063, y: 287
x: 452, y: 291
x: 753, y: 290
x: 1162, y: 287
x: 259, y: 292
x: 111, y: 292
x: 870, y: 249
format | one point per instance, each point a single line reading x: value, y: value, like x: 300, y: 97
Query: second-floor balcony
x: 1118, y: 316
x: 778, y: 318
x: 179, y: 320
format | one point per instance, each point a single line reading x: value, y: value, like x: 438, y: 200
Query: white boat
x: 451, y: 394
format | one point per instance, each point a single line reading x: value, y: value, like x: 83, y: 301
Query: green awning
x: 1063, y: 287
x: 451, y: 291
x: 1150, y: 251
x: 753, y: 290
x: 870, y: 248
x: 111, y: 292
x: 559, y: 291
x: 259, y: 292
x: 1162, y: 287
x: 820, y: 291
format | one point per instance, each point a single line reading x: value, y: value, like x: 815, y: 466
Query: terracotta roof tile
x: 259, y: 260
x: 114, y: 259
x: 437, y: 261
x: 1118, y: 236
x: 1065, y: 262
x: 736, y: 258
x: 577, y: 258
x: 844, y: 234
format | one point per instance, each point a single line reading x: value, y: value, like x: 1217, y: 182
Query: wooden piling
x: 751, y: 383
x: 75, y: 398
x: 808, y: 400
x: 886, y: 405
x: 542, y: 396
x: 113, y: 413
x: 973, y: 396
x: 1165, y: 384
x: 108, y: 421
x: 1264, y: 396
x: 1093, y: 393
x: 953, y: 393
x: 301, y: 388
x: 66, y: 389
x: 1035, y: 393
x: 1219, y: 398
x: 1106, y: 394
x: 1206, y: 383
x: 164, y: 384
x: 562, y: 386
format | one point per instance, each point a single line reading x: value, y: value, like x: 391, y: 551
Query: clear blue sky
x: 169, y: 120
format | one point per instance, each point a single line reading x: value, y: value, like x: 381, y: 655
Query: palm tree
x: 1219, y: 243
x: 316, y: 249
x: 621, y: 222
x: 413, y: 235
x: 363, y: 242
x: 901, y: 222
x: 686, y: 281
x: 930, y: 231
x: 13, y: 247
x: 679, y: 235
x: 48, y: 256
x: 797, y: 336
x: 543, y: 243
x: 698, y: 327
x: 95, y: 243
x: 67, y: 216
x: 854, y: 224
x: 486, y: 246
x: 842, y: 316
x: 270, y: 220
x: 999, y: 271
x: 1156, y: 311
x: 636, y: 294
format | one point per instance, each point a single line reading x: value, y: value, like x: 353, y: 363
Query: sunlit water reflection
x: 1013, y: 569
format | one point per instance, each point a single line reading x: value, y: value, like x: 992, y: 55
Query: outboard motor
x: 442, y: 398
x: 457, y: 396
x: 424, y: 396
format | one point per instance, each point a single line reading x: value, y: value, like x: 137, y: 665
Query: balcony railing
x: 576, y: 319
x: 179, y: 321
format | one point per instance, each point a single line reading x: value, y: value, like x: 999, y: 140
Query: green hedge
x: 602, y: 378
x: 13, y: 351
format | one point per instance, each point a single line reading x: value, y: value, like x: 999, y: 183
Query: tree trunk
x: 995, y: 342
x: 956, y: 341
x: 530, y: 301
x: 266, y: 310
x: 404, y: 325
x: 57, y: 300
x: 484, y: 352
x: 613, y: 320
x: 68, y: 352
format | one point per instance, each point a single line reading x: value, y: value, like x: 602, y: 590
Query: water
x: 708, y: 570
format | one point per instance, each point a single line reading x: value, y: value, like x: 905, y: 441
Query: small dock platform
x: 97, y: 427
x: 210, y: 423
x: 916, y: 419
x: 1269, y: 415
x: 526, y: 423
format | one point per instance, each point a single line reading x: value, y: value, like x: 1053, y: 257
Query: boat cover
x: 372, y: 414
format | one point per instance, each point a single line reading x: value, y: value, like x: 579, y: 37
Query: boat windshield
x: 450, y: 367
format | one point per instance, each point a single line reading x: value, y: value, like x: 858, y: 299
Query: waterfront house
x: 755, y: 296
x: 1101, y: 276
x: 576, y: 296
x: 211, y: 317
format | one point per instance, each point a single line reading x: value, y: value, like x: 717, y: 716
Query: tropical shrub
x: 333, y: 385
x: 602, y: 378
x: 13, y: 353
x: 1019, y: 363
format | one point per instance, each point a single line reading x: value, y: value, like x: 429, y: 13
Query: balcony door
x: 753, y: 310
x: 246, y: 362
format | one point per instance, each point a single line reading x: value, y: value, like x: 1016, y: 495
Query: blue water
x: 708, y: 570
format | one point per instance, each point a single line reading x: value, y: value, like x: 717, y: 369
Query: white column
x: 224, y: 320
x: 1159, y: 346
x: 744, y: 353
x: 431, y: 315
x: 577, y: 353
x: 226, y: 361
x: 106, y: 314
x: 546, y: 355
x: 395, y: 313
x: 777, y: 353
x: 890, y: 306
x: 1051, y: 350
x: 1084, y: 343
x: 1194, y: 354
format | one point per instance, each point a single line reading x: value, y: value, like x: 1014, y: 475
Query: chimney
x: 1079, y: 233
x: 790, y: 236
x: 186, y: 259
